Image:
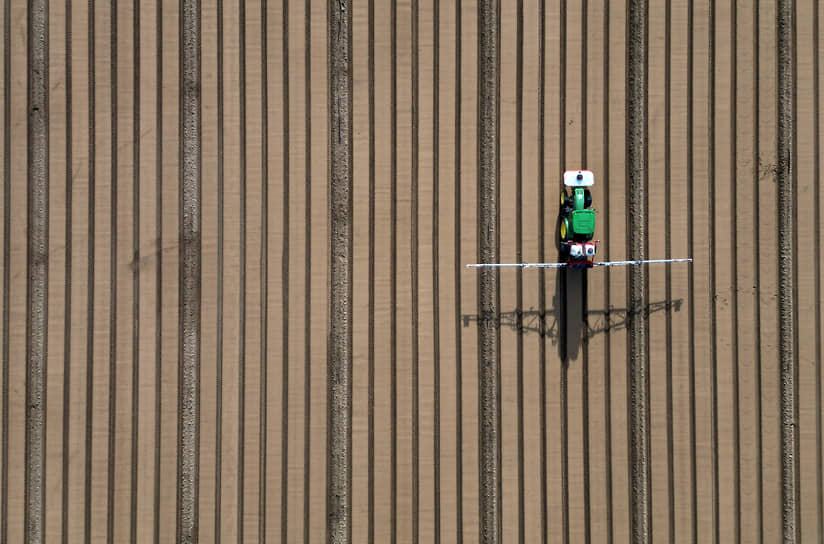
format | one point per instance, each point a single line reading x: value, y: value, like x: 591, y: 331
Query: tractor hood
x: 583, y: 222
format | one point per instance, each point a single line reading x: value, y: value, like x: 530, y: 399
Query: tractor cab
x: 577, y: 218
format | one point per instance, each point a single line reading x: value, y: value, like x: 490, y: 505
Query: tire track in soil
x: 37, y: 267
x: 190, y: 271
x: 91, y: 277
x: 458, y: 295
x: 393, y: 272
x: 67, y: 307
x: 220, y: 278
x: 643, y: 310
x: 415, y: 287
x: 307, y: 294
x: 135, y: 359
x: 112, y: 310
x: 285, y: 261
x: 640, y: 527
x: 489, y: 376
x: 794, y: 166
x: 264, y: 276
x: 371, y: 303
x: 339, y: 384
x: 668, y: 255
x: 785, y: 174
x: 159, y: 264
x: 242, y: 284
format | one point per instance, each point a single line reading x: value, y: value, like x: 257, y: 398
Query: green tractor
x: 576, y: 227
x: 577, y: 219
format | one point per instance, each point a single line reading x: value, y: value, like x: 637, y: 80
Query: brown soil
x: 208, y: 325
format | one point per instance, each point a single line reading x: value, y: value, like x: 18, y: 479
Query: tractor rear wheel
x: 564, y: 230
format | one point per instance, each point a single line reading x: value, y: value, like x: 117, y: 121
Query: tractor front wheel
x: 565, y: 199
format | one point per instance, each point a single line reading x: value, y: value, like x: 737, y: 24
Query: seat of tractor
x: 583, y: 222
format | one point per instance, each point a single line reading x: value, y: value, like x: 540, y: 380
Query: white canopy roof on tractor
x: 579, y: 178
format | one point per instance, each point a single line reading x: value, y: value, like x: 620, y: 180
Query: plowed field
x: 173, y: 253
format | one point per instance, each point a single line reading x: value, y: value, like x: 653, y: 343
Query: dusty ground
x: 711, y: 333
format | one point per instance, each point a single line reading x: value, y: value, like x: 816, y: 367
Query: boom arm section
x: 564, y: 265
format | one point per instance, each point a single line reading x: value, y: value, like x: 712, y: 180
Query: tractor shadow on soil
x: 564, y: 322
x: 567, y: 321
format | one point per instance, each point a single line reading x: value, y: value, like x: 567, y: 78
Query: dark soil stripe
x: 436, y: 319
x: 458, y: 296
x: 415, y: 279
x: 339, y: 416
x: 644, y: 314
x: 242, y: 172
x: 190, y: 271
x: 87, y: 491
x: 307, y: 295
x: 220, y: 239
x: 264, y: 274
x: 67, y: 308
x: 136, y: 37
x: 817, y: 266
x: 37, y: 267
x: 734, y: 267
x: 393, y: 272
x: 519, y: 277
x: 371, y: 354
x: 488, y: 341
x: 284, y: 459
x: 159, y: 264
x: 638, y: 367
x: 787, y: 353
x: 795, y: 300
x: 112, y: 409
